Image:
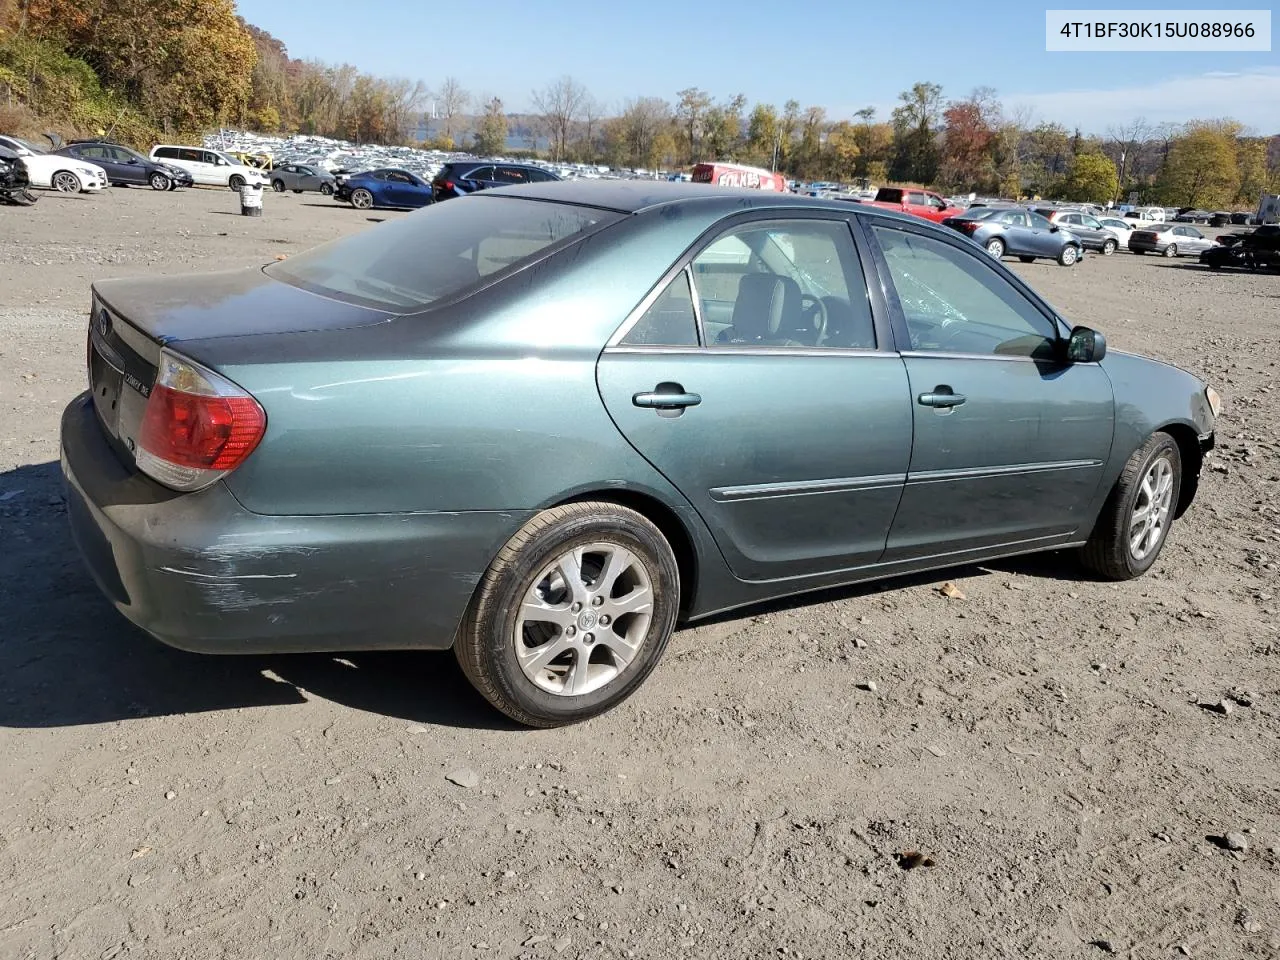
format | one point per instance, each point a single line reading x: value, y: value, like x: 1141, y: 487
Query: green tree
x: 1201, y: 170
x: 915, y: 133
x: 491, y: 137
x: 1091, y: 178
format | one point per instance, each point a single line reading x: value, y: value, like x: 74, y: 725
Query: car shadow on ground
x: 68, y: 658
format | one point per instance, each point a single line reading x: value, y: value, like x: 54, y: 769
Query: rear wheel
x: 277, y: 186
x: 361, y: 199
x: 572, y: 615
x: 64, y: 181
x: 995, y: 247
x: 1069, y: 255
x: 1171, y: 250
x: 1135, y: 521
x: 326, y: 189
x: 1109, y: 247
x: 160, y: 182
x: 236, y: 181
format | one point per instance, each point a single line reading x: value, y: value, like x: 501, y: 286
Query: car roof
x: 639, y: 196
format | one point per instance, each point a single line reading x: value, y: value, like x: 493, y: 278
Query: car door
x: 305, y: 178
x: 787, y: 422
x: 128, y: 167
x: 1017, y: 234
x: 396, y: 189
x: 1009, y: 440
x: 1191, y: 240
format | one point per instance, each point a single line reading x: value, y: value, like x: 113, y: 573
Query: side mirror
x: 1054, y: 228
x: 1086, y: 346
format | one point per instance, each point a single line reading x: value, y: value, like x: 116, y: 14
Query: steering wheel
x: 814, y: 313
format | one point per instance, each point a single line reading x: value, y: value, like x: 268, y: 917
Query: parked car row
x: 393, y: 187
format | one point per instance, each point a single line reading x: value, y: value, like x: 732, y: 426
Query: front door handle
x: 666, y: 401
x: 941, y: 397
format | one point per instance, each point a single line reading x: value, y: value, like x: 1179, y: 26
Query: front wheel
x: 995, y: 247
x: 236, y: 181
x: 361, y: 199
x: 1069, y: 255
x: 1135, y: 521
x: 572, y: 615
x: 1171, y: 251
x: 64, y: 181
x: 1109, y: 247
x: 160, y: 182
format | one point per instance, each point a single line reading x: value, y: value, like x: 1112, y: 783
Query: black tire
x: 1069, y: 255
x: 486, y: 649
x: 1171, y: 251
x: 160, y: 182
x: 996, y: 247
x: 236, y: 181
x: 326, y: 189
x: 1027, y: 259
x: 1109, y: 247
x: 277, y: 186
x: 1108, y: 551
x: 297, y: 191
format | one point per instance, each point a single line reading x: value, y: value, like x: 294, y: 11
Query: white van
x: 208, y: 166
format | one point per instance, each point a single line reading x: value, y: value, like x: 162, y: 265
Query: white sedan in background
x: 1120, y: 229
x: 54, y: 171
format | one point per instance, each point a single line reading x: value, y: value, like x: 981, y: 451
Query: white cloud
x: 1249, y: 96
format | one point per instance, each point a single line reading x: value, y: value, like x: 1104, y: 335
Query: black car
x: 458, y: 179
x: 14, y: 183
x: 127, y: 167
x: 1256, y: 250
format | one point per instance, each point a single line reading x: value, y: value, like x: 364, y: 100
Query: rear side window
x: 192, y: 156
x: 406, y: 264
x: 168, y: 153
x: 479, y: 173
x: 918, y: 199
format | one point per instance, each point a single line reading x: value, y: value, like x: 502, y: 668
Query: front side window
x: 1039, y: 222
x: 955, y: 302
x: 511, y: 175
x: 669, y: 320
x: 783, y: 284
x: 404, y: 265
x: 1091, y: 223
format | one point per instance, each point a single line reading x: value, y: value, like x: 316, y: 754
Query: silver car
x: 299, y: 177
x: 1169, y: 239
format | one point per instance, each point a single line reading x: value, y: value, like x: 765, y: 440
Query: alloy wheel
x: 1150, y: 518
x: 584, y: 619
x: 996, y: 248
x: 362, y: 199
x: 160, y: 182
x: 1171, y: 250
x: 65, y: 182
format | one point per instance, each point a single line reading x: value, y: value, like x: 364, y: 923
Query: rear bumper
x: 199, y: 572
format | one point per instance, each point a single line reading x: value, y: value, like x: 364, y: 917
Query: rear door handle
x: 666, y: 401
x: 941, y: 398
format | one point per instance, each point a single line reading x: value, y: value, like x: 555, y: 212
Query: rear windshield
x: 406, y: 264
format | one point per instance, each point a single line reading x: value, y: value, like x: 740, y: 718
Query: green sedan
x: 543, y: 425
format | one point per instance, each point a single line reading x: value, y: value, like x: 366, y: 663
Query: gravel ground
x: 1040, y: 741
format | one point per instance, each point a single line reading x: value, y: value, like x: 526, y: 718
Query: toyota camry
x: 543, y: 425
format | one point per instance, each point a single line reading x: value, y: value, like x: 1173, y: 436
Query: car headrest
x: 766, y: 302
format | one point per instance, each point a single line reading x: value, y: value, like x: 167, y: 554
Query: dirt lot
x: 1041, y: 740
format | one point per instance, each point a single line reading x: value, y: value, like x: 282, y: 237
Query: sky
x: 839, y: 54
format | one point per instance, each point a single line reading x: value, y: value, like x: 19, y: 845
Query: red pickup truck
x: 921, y: 203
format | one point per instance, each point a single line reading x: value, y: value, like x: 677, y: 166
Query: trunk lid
x: 131, y: 320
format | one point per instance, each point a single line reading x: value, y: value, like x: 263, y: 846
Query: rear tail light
x: 198, y: 425
x: 970, y: 226
x: 448, y: 184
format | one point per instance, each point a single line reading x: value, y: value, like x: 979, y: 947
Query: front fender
x: 1151, y: 396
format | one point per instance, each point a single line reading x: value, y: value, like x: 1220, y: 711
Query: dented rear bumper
x: 200, y: 572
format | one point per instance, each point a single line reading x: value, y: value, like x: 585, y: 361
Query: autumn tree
x: 762, y: 135
x: 841, y: 151
x: 1201, y: 169
x: 491, y: 137
x: 1091, y: 178
x: 967, y: 160
x: 915, y: 131
x: 452, y: 100
x: 560, y: 105
x: 723, y: 128
x: 691, y: 111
